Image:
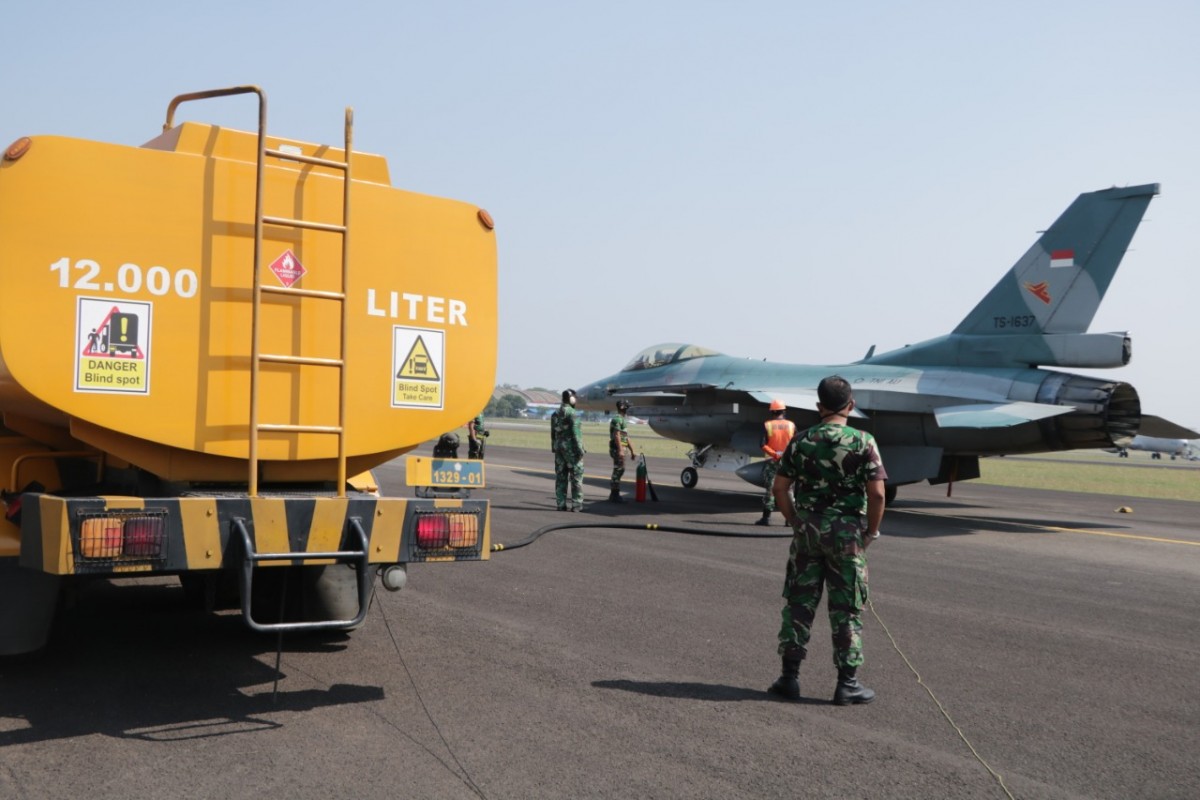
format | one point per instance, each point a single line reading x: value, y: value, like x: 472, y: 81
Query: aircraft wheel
x: 889, y: 494
x: 689, y: 477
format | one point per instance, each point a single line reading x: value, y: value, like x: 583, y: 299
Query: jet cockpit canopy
x: 669, y: 353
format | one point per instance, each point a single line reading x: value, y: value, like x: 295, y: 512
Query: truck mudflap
x: 121, y: 535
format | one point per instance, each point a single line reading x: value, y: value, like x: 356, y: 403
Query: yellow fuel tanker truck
x: 206, y: 343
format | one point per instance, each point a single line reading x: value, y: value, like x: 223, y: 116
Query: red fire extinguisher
x: 640, y: 495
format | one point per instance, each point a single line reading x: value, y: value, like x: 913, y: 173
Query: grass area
x: 595, y: 438
x: 1095, y: 472
x: 1073, y: 475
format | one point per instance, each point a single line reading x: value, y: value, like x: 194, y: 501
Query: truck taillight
x: 437, y: 530
x: 122, y: 537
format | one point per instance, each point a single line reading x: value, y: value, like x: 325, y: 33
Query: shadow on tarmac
x: 713, y: 692
x: 133, y: 661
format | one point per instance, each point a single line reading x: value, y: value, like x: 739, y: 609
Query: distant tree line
x: 509, y: 405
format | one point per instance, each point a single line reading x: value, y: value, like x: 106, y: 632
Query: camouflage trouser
x: 475, y: 448
x: 618, y: 470
x: 836, y: 559
x: 568, y: 478
x: 770, y: 468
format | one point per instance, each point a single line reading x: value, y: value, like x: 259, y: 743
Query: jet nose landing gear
x: 689, y: 477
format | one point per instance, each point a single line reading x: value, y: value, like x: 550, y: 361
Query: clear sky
x: 793, y: 181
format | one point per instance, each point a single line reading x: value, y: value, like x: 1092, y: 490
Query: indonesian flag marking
x: 1062, y: 258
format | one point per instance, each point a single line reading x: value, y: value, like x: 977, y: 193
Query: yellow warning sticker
x: 417, y: 365
x: 112, y: 346
x: 418, y: 358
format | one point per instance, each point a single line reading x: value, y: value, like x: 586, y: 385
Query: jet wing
x: 651, y: 396
x: 995, y: 415
x: 1164, y: 429
x: 800, y: 399
x: 666, y: 390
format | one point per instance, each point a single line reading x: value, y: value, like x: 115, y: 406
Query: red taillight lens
x: 143, y: 537
x: 433, y: 531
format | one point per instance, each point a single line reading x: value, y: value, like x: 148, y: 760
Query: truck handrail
x: 360, y: 558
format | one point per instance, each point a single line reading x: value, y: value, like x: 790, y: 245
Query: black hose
x: 634, y: 526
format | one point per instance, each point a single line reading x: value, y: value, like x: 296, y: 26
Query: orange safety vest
x: 779, y: 433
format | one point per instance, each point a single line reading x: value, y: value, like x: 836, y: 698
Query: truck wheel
x: 689, y: 477
x: 29, y: 599
x: 330, y: 592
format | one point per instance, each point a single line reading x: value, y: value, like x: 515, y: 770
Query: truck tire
x: 29, y: 599
x: 330, y: 592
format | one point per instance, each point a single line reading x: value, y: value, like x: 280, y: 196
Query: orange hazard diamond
x: 288, y: 268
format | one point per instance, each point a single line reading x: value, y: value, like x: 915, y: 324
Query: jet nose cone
x: 593, y: 396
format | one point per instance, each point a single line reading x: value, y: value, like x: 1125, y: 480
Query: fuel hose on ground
x: 634, y: 526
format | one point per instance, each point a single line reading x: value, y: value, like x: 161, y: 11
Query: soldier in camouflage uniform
x: 618, y: 443
x: 476, y: 433
x: 838, y: 478
x: 566, y: 439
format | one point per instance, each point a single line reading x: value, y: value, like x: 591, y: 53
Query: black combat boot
x: 614, y: 496
x: 766, y: 519
x: 849, y: 690
x: 787, y: 685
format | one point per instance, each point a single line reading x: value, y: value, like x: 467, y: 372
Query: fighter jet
x: 938, y: 406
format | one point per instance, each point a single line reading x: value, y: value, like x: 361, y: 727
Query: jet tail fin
x: 1057, y: 286
x: 1039, y: 312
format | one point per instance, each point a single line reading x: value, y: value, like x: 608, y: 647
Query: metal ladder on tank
x: 360, y: 558
x: 257, y: 357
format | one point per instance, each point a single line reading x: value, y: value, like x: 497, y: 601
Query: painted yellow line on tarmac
x: 1055, y: 528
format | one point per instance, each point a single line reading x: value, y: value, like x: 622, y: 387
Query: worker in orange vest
x: 777, y: 432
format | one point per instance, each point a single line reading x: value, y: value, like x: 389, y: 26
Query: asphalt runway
x: 1056, y: 642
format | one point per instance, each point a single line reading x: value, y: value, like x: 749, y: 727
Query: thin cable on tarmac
x: 533, y: 537
x: 938, y: 703
x: 383, y: 718
x: 465, y: 777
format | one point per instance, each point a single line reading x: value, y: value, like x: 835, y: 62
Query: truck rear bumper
x: 117, y: 535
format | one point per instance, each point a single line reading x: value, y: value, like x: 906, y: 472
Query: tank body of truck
x: 205, y: 344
